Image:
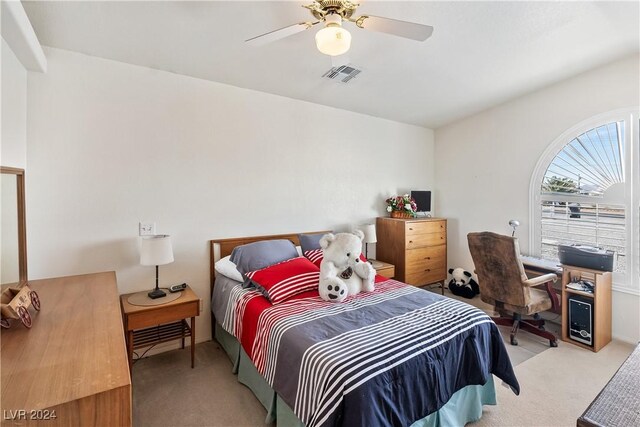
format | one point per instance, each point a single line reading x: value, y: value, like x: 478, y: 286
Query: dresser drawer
x: 426, y: 276
x: 421, y: 240
x: 424, y: 227
x: 428, y: 257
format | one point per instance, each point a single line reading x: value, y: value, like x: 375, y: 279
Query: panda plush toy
x: 462, y: 284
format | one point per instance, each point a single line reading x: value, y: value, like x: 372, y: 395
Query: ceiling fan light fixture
x: 333, y: 40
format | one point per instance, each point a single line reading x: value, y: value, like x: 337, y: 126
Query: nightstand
x: 384, y: 268
x: 147, y: 325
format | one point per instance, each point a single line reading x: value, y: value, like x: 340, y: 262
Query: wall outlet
x: 146, y: 228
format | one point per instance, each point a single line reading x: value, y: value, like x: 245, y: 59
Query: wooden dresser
x: 72, y: 364
x: 417, y: 247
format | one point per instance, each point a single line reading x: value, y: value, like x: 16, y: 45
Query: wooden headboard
x: 225, y: 247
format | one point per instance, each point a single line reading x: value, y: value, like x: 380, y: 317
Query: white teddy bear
x: 342, y: 272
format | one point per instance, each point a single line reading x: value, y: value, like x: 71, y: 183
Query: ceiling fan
x: 334, y: 40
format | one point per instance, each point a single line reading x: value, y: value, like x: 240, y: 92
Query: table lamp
x: 514, y: 223
x: 369, y: 231
x: 156, y: 250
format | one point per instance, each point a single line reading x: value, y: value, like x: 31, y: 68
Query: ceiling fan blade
x: 280, y: 33
x: 409, y: 30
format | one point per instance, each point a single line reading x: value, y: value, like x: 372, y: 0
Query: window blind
x: 594, y: 224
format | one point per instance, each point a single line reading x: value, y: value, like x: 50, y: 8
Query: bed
x: 397, y: 356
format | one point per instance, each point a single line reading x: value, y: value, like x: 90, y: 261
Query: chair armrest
x: 549, y: 277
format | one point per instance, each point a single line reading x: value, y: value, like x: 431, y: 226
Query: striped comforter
x: 388, y: 357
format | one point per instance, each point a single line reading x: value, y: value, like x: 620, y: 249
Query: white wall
x: 484, y: 163
x: 110, y: 144
x: 13, y: 148
x: 13, y: 153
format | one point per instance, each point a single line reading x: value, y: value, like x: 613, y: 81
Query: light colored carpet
x: 167, y: 392
x: 557, y: 385
x: 528, y: 345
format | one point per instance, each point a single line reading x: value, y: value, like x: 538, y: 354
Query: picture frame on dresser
x: 417, y: 247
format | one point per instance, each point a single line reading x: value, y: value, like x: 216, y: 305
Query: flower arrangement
x: 402, y: 206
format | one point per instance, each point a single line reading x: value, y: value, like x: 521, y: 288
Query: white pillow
x: 225, y: 267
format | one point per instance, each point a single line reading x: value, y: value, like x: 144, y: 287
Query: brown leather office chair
x: 504, y: 284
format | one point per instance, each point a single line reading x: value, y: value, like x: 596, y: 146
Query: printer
x: 586, y: 257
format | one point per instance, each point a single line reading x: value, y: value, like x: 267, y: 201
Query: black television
x: 423, y: 200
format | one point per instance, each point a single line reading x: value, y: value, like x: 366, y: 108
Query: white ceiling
x: 481, y: 53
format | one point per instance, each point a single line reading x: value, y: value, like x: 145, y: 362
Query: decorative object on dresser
x: 369, y: 231
x: 586, y: 316
x: 70, y: 369
x: 417, y: 247
x: 148, y: 325
x: 15, y: 304
x: 156, y: 250
x: 401, y: 206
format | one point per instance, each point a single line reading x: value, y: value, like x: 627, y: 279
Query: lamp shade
x: 156, y: 250
x: 369, y: 231
x: 333, y: 40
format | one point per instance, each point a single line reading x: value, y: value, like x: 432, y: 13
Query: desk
x: 73, y: 361
x: 534, y: 267
x: 538, y: 266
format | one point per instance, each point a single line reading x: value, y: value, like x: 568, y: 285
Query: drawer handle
x: 410, y: 229
x: 428, y: 269
x: 410, y: 241
x: 427, y: 257
x: 441, y: 237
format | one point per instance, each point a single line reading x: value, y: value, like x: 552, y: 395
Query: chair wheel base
x: 553, y: 343
x: 514, y: 341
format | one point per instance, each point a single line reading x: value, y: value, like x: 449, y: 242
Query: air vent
x: 343, y: 73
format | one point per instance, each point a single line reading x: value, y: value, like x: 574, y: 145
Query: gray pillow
x: 309, y: 242
x: 257, y: 255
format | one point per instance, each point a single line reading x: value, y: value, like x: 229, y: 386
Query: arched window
x: 582, y: 191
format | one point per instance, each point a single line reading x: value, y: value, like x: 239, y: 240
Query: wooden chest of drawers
x: 70, y: 368
x: 417, y: 247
